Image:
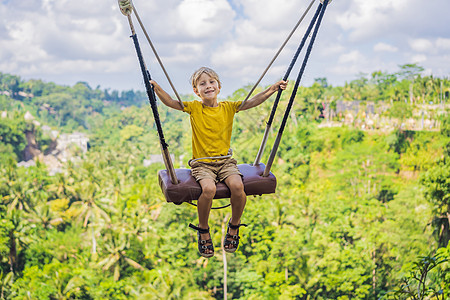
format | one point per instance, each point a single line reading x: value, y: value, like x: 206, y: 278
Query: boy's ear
x: 196, y: 92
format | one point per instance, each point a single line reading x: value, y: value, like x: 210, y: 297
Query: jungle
x: 361, y: 211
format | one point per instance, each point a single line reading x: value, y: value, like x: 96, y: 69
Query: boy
x: 211, y: 123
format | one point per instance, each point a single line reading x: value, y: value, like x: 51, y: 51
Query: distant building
x: 65, y: 141
x: 61, y: 149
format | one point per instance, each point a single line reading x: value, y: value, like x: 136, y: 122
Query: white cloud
x: 269, y: 14
x: 351, y: 57
x: 67, y: 41
x: 421, y: 45
x: 418, y: 58
x: 203, y: 19
x: 364, y: 18
x: 443, y: 43
x: 383, y: 47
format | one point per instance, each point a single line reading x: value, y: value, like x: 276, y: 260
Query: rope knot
x: 125, y: 7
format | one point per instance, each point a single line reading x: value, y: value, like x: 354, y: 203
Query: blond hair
x: 206, y: 70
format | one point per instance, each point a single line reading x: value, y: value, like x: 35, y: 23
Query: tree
x: 437, y: 191
x: 116, y: 245
x: 6, y: 280
x: 19, y: 236
x: 422, y: 282
x: 410, y: 71
x: 12, y: 135
x: 10, y: 83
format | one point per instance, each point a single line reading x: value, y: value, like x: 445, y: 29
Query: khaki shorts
x: 215, y: 170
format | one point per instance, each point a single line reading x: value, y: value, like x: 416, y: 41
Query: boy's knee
x: 209, y: 191
x: 236, y: 187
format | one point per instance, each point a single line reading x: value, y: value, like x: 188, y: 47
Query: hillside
x: 362, y: 197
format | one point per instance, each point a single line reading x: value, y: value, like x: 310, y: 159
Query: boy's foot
x: 205, y: 245
x: 231, y: 241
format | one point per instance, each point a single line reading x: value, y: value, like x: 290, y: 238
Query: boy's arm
x: 164, y: 97
x: 264, y: 95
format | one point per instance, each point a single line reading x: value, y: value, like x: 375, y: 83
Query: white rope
x: 278, y: 53
x: 157, y: 56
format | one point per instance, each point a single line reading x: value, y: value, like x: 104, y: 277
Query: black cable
x: 294, y: 92
x: 302, y: 69
x: 218, y: 207
x: 291, y: 65
x: 150, y: 93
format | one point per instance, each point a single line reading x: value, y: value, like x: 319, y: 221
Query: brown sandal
x: 202, y: 247
x: 235, y: 242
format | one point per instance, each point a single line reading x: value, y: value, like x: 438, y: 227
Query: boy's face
x: 207, y: 87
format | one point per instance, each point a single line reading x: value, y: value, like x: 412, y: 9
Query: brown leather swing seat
x: 188, y: 189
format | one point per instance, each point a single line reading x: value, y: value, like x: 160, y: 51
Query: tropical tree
x: 116, y: 243
x: 20, y: 235
x: 437, y: 191
x: 424, y: 280
x: 6, y: 280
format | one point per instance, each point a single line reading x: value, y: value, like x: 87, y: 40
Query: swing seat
x: 189, y: 189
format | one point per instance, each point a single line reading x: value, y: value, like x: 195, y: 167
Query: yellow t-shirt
x: 211, y: 127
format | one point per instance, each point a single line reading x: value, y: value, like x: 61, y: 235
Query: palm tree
x: 91, y: 199
x: 168, y: 285
x: 5, y: 283
x: 65, y: 290
x: 42, y: 214
x: 19, y: 237
x: 116, y: 245
x: 17, y: 191
x: 61, y: 187
x: 92, y: 208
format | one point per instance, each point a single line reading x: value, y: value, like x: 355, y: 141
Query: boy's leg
x: 204, y: 204
x: 238, y: 200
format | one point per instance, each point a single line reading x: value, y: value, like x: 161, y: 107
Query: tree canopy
x: 358, y: 213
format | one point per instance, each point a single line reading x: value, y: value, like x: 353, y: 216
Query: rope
x: 125, y: 9
x: 280, y: 91
x: 150, y: 93
x: 152, y: 100
x: 278, y: 53
x: 157, y: 56
x: 294, y: 92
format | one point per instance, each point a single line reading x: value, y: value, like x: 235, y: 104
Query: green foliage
x: 410, y: 71
x: 425, y: 279
x: 398, y: 141
x: 349, y: 216
x: 423, y: 149
x: 13, y: 140
x: 400, y: 110
x: 130, y: 131
x: 437, y: 191
x: 445, y: 128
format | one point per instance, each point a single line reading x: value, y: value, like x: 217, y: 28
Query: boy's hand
x: 279, y: 85
x: 164, y: 97
x: 263, y: 96
x: 155, y: 85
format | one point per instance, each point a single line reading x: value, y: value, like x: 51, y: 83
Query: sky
x: 66, y: 41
